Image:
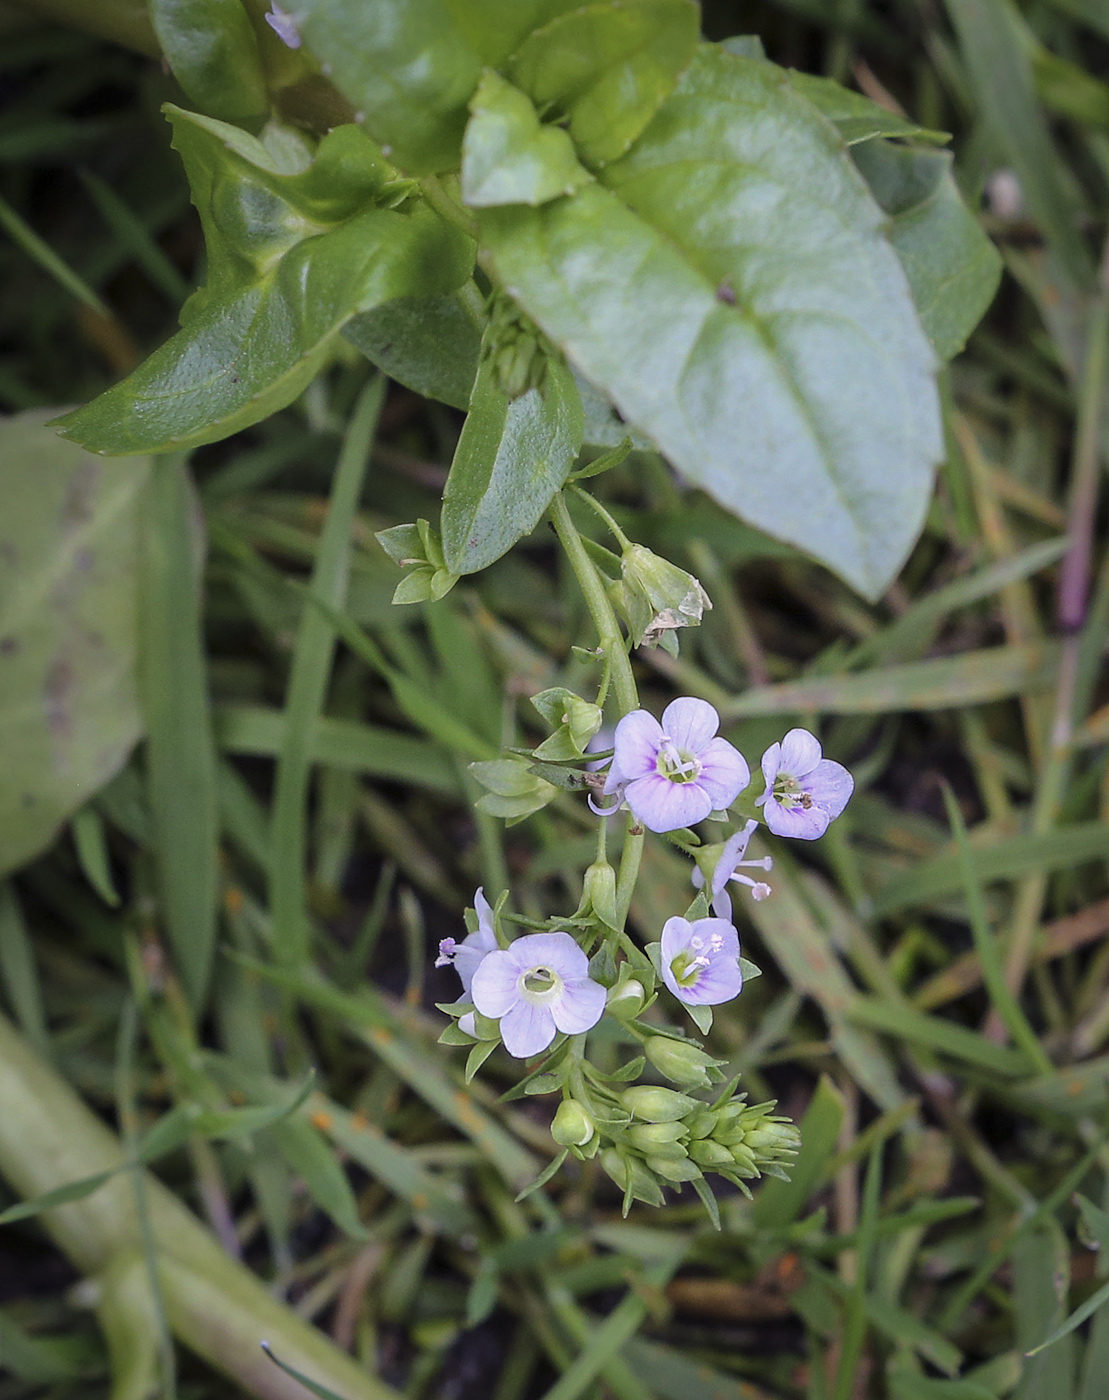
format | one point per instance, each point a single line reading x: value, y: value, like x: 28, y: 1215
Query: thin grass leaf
x: 134, y: 236
x: 19, y: 972
x: 937, y: 1034
x: 181, y: 762
x: 310, y: 1385
x: 779, y: 1203
x: 37, y: 248
x: 91, y: 844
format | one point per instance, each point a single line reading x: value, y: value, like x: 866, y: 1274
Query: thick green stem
x: 214, y: 1305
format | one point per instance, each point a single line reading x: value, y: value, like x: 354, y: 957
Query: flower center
x: 678, y: 765
x: 540, y: 985
x: 691, y: 962
x: 788, y: 792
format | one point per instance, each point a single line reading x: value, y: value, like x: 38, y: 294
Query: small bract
x: 700, y: 961
x: 536, y: 986
x: 675, y: 773
x: 805, y: 792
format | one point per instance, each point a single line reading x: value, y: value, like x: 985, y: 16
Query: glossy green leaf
x: 952, y: 267
x: 856, y: 117
x: 607, y: 67
x: 429, y: 344
x: 212, y: 49
x: 512, y: 456
x: 733, y: 294
x: 509, y: 156
x: 293, y: 257
x: 406, y: 66
x: 69, y: 713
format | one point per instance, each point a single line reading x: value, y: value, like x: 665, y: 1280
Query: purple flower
x: 283, y: 25
x: 804, y: 792
x: 700, y: 961
x: 466, y: 956
x: 536, y: 986
x: 675, y: 773
x: 729, y: 862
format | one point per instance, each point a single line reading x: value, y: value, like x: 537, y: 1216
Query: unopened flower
x: 283, y: 25
x: 536, y: 986
x: 700, y: 961
x: 726, y: 869
x: 465, y: 957
x: 804, y: 791
x: 675, y: 773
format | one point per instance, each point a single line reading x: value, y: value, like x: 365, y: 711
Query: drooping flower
x: 804, y: 791
x: 675, y: 773
x: 536, y: 986
x: 700, y: 960
x: 283, y: 25
x: 465, y: 957
x: 726, y: 869
x: 656, y: 598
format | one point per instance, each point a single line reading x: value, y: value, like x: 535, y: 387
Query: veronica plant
x: 594, y: 233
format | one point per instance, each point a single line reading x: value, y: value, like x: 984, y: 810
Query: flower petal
x: 724, y: 773
x: 735, y: 848
x: 771, y: 767
x: 830, y: 786
x: 802, y: 823
x: 676, y: 934
x: 690, y: 722
x: 800, y: 753
x: 636, y: 742
x: 580, y: 1007
x: 468, y: 957
x: 493, y: 989
x: 527, y: 1029
x: 665, y: 806
x: 558, y: 951
x: 720, y: 981
x: 484, y: 911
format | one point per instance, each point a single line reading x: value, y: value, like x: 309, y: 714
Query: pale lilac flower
x: 536, y: 986
x: 727, y: 867
x: 675, y: 773
x: 700, y: 961
x: 466, y: 956
x: 283, y: 25
x: 804, y: 792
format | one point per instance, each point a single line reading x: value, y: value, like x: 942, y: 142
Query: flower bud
x: 626, y: 999
x: 744, y: 1160
x: 707, y: 1153
x: 572, y: 1126
x: 680, y: 1061
x: 599, y: 892
x: 770, y: 1139
x: 649, y: 1137
x: 674, y: 1168
x: 626, y: 1170
x: 656, y: 598
x: 701, y: 1125
x: 657, y: 1105
x: 574, y: 721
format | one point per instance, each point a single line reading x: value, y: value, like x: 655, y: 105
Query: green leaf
x: 68, y: 628
x: 607, y: 67
x: 313, y: 1387
x: 317, y: 1166
x: 952, y: 267
x: 856, y: 117
x: 60, y: 1196
x: 733, y: 294
x: 180, y: 751
x: 780, y: 1203
x: 509, y: 156
x: 212, y: 49
x: 293, y: 257
x: 429, y: 344
x: 513, y: 455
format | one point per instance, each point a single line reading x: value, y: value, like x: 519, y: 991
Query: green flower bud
x: 574, y: 720
x: 701, y: 1125
x: 771, y: 1139
x: 623, y: 1170
x: 599, y: 892
x: 680, y: 1061
x: 418, y: 550
x: 707, y: 1153
x: 648, y: 1137
x: 626, y: 999
x: 744, y: 1160
x: 674, y: 1169
x: 572, y: 1126
x: 656, y: 598
x: 657, y: 1105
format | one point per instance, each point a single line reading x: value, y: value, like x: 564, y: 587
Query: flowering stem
x: 595, y: 505
x: 623, y: 680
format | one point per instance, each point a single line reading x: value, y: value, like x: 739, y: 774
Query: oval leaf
x: 69, y: 710
x: 429, y: 344
x: 211, y: 47
x: 512, y: 456
x: 732, y: 292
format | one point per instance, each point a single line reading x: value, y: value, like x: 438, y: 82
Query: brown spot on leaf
x: 9, y: 646
x: 80, y: 495
x: 57, y: 695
